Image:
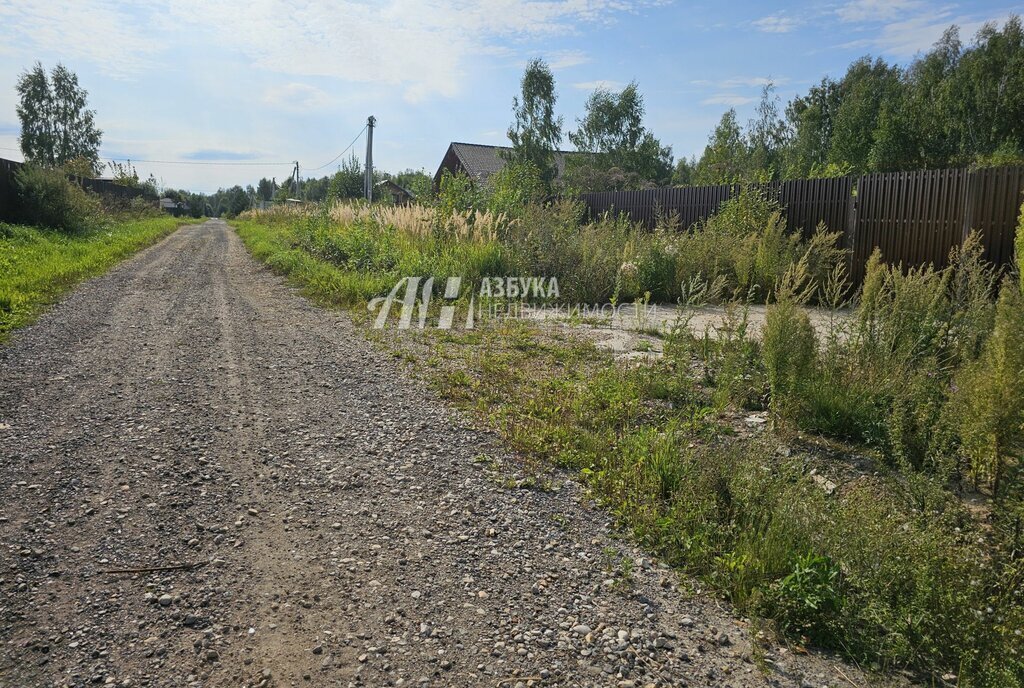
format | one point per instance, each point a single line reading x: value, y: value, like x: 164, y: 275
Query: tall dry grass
x: 413, y: 220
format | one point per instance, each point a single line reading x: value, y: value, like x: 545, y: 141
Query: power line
x: 230, y: 163
x: 203, y: 162
x: 347, y: 149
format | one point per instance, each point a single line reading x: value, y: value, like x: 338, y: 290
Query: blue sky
x: 213, y: 80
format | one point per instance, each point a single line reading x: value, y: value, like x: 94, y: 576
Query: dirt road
x: 350, y: 529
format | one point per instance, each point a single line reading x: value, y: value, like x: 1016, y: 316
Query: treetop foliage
x: 612, y: 132
x: 953, y: 106
x: 56, y: 126
x: 536, y: 132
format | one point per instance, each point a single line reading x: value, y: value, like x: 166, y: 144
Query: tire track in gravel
x: 189, y: 407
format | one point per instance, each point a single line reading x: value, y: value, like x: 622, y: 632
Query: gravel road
x: 349, y: 528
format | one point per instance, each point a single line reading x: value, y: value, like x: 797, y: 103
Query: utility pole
x: 296, y: 179
x: 371, y: 121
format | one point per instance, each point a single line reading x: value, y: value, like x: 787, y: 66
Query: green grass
x: 37, y: 265
x: 889, y: 567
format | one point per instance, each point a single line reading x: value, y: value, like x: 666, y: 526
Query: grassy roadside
x: 37, y: 266
x: 834, y: 544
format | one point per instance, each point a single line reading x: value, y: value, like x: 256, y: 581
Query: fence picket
x: 914, y: 217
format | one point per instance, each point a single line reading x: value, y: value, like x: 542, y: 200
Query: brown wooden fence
x: 914, y: 218
x: 917, y: 217
x: 7, y: 170
x: 807, y: 202
x: 103, y: 187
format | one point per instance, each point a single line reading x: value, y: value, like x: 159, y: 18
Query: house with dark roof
x: 479, y: 162
x: 173, y: 207
x: 399, y: 194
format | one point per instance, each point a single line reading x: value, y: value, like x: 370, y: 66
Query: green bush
x: 513, y: 188
x: 746, y: 244
x: 789, y: 349
x: 989, y: 395
x: 808, y: 601
x: 45, y: 198
x: 551, y: 241
x: 1019, y: 245
x: 456, y: 194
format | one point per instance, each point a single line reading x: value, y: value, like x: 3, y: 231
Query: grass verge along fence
x: 915, y: 217
x: 103, y: 187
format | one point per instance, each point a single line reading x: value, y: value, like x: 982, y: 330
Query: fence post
x: 850, y: 235
x: 969, y: 200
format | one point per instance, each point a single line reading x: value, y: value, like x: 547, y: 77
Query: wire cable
x: 269, y: 163
x: 251, y: 163
x: 347, y: 149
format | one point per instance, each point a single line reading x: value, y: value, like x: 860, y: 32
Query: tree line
x: 346, y: 183
x: 58, y: 131
x: 953, y: 106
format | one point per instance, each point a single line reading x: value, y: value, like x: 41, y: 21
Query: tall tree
x: 934, y: 103
x: 725, y: 157
x: 990, y: 85
x: 348, y: 181
x: 536, y: 132
x: 56, y: 125
x: 952, y: 106
x: 416, y: 181
x: 612, y: 131
x: 683, y: 174
x: 810, y: 121
x: 766, y: 137
x: 865, y: 88
x: 265, y: 189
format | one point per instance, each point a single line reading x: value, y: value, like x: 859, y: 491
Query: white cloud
x: 602, y: 84
x: 297, y: 97
x: 903, y: 28
x: 776, y: 24
x: 424, y: 45
x: 563, y: 59
x: 101, y: 32
x: 727, y: 99
x: 876, y: 10
x: 911, y: 36
x: 751, y: 81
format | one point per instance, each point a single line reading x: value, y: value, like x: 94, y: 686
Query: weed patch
x: 37, y: 265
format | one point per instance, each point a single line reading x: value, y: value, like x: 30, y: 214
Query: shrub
x: 514, y: 187
x: 1019, y: 244
x: 456, y: 193
x: 971, y: 310
x: 789, y: 347
x: 732, y: 360
x: 990, y: 394
x: 808, y: 601
x: 747, y: 244
x: 551, y: 241
x: 46, y: 198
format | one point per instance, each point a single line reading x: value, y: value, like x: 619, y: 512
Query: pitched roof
x: 394, y: 185
x: 171, y: 203
x: 481, y: 161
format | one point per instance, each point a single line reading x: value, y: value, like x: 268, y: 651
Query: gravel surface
x: 347, y: 527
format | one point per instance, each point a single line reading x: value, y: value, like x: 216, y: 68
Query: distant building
x: 399, y: 194
x: 173, y: 207
x: 479, y: 162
